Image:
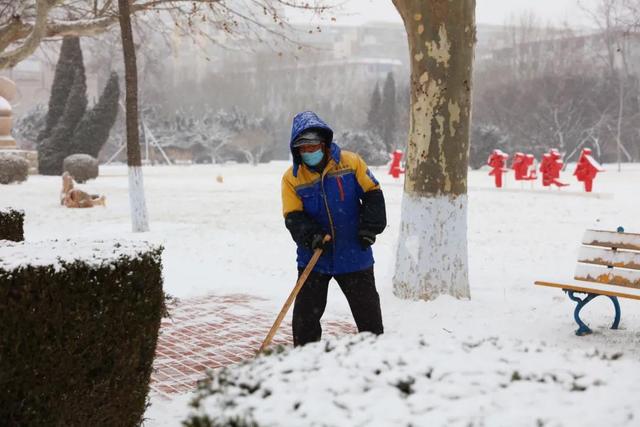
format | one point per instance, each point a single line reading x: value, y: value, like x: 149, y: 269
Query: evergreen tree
x: 69, y: 60
x: 55, y: 148
x: 374, y: 116
x: 93, y: 130
x: 389, y: 113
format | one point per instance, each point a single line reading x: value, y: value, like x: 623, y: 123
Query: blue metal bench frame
x: 583, y: 329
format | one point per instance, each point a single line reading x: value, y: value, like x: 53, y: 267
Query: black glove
x: 317, y: 242
x: 366, y: 238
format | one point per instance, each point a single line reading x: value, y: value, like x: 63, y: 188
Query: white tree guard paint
x: 139, y: 217
x: 432, y: 248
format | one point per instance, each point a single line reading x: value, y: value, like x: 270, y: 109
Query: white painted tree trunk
x: 139, y: 217
x: 432, y: 249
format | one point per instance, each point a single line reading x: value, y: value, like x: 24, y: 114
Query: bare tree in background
x: 432, y: 251
x: 24, y: 24
x: 615, y: 19
x: 139, y: 217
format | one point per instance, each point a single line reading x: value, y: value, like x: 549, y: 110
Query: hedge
x: 79, y: 324
x: 11, y: 224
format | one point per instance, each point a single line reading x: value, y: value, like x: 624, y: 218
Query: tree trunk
x: 432, y: 250
x: 139, y: 220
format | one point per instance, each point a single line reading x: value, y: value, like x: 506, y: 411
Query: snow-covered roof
x: 14, y: 255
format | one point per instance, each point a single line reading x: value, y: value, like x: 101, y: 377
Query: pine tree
x: 373, y: 118
x: 389, y: 113
x: 55, y: 148
x: 69, y: 60
x: 70, y: 128
x: 94, y: 128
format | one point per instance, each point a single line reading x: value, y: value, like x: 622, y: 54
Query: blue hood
x: 302, y: 122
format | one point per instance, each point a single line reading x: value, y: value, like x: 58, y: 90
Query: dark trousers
x: 359, y: 288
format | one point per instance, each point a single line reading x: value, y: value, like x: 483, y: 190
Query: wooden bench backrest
x: 610, y: 257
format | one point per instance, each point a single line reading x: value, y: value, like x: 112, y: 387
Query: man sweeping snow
x: 330, y: 191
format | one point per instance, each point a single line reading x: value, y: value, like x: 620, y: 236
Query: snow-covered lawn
x: 230, y: 238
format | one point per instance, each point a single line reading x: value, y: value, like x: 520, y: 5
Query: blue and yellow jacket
x: 341, y: 200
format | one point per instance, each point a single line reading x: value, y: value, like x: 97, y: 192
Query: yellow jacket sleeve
x: 290, y: 200
x: 364, y: 176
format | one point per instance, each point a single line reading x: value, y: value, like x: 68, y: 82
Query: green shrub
x: 11, y: 225
x: 82, y: 167
x: 13, y: 168
x: 78, y: 332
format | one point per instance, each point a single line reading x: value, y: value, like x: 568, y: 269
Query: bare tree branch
x: 11, y: 58
x: 27, y: 27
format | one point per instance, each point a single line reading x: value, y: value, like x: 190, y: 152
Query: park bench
x: 608, y: 265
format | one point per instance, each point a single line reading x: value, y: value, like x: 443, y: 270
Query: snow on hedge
x: 14, y: 255
x: 406, y: 380
x: 7, y: 210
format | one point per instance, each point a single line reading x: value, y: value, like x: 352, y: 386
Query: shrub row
x: 11, y: 224
x: 79, y: 324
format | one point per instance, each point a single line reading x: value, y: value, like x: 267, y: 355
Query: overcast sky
x: 487, y: 11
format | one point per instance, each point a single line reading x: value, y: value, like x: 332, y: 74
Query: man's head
x: 311, y: 144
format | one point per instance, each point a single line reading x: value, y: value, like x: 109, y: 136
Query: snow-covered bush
x: 484, y: 139
x: 13, y: 168
x: 28, y: 126
x: 402, y: 380
x: 206, y: 136
x: 79, y: 324
x: 367, y: 144
x: 11, y: 224
x: 82, y: 167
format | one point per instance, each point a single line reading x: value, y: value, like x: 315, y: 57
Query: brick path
x: 214, y: 331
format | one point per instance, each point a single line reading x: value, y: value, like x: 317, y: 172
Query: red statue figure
x: 587, y: 169
x: 394, y: 169
x: 550, y: 168
x: 497, y: 160
x: 523, y: 167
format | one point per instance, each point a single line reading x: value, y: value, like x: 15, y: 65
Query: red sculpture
x: 497, y: 160
x: 587, y: 169
x: 550, y: 168
x: 394, y: 169
x: 523, y: 167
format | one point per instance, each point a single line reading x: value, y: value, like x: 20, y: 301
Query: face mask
x: 313, y: 158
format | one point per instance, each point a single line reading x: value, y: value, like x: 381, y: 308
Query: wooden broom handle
x: 292, y: 295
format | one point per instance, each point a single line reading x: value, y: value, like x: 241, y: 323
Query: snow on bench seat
x: 608, y: 257
x: 612, y: 239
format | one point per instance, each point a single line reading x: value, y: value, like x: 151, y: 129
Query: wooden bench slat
x: 596, y: 288
x: 607, y: 256
x: 612, y: 276
x: 612, y: 239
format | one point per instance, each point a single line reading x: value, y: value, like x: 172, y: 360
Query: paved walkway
x: 214, y: 331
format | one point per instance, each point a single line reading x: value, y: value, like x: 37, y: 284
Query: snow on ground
x: 230, y: 238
